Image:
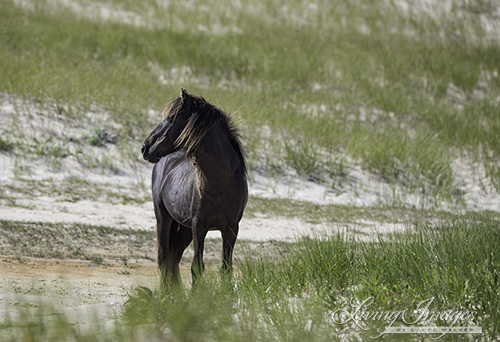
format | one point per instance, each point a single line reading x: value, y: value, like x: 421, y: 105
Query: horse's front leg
x: 199, y: 234
x: 229, y: 236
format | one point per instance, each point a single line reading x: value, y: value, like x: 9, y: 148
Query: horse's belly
x: 177, y: 193
x: 179, y: 207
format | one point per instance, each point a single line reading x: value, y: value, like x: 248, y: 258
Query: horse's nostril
x: 144, y: 149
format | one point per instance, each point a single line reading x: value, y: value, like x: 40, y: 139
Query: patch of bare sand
x: 84, y: 294
x: 47, y: 210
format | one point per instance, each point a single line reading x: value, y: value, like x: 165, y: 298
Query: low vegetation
x: 296, y: 295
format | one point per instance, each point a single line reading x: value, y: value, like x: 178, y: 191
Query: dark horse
x: 199, y: 182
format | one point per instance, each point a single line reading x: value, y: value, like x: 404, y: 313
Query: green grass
x: 292, y: 297
x: 330, y: 213
x: 456, y: 264
x: 275, y: 67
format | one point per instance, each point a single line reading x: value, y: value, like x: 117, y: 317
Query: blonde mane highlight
x: 194, y: 132
x: 204, y: 117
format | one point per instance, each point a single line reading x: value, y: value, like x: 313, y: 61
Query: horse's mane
x: 204, y: 116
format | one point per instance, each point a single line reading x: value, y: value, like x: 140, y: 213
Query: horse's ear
x: 184, y: 94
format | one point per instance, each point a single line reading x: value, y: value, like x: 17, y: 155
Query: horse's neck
x: 215, y: 156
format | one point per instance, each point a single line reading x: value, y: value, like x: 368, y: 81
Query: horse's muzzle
x: 152, y: 158
x: 145, y: 151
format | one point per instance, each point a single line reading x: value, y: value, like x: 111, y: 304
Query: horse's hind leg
x: 229, y: 236
x: 164, y: 225
x: 180, y: 238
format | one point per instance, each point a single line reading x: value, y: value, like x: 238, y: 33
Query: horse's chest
x: 222, y: 209
x: 213, y: 219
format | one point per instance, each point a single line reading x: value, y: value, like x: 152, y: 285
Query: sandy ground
x: 82, y: 293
